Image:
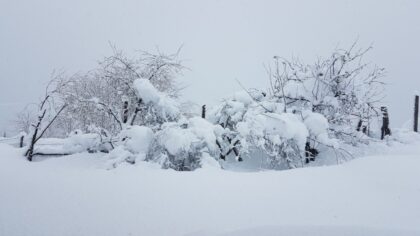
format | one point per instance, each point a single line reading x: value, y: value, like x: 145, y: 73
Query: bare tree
x: 24, y: 120
x: 49, y: 110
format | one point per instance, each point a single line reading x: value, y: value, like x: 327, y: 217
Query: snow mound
x: 80, y: 142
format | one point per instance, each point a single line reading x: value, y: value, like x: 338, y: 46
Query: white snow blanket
x: 76, y: 195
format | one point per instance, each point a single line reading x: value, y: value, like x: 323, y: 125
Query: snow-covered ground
x: 76, y: 195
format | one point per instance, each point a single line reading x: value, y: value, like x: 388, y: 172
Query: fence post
x: 416, y: 113
x: 21, y: 141
x: 125, y: 112
x: 203, y: 112
x: 385, y: 130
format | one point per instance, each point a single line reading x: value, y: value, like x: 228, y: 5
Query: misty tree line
x: 131, y: 107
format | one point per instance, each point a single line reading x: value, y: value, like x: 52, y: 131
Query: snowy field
x: 76, y: 195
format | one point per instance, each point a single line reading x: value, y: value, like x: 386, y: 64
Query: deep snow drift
x: 77, y: 195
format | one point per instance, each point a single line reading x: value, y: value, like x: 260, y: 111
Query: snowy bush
x: 181, y: 145
x: 253, y: 120
x: 134, y: 145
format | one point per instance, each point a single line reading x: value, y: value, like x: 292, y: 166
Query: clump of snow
x: 176, y: 139
x: 205, y: 131
x: 316, y: 123
x: 275, y: 127
x: 181, y: 145
x: 80, y: 142
x: 317, y: 126
x: 295, y: 89
x: 243, y: 97
x: 166, y: 106
x: 137, y: 139
x: 147, y: 91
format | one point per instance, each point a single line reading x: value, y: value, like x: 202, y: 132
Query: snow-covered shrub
x: 281, y: 136
x: 181, y: 145
x: 137, y: 139
x: 134, y: 145
x: 254, y: 120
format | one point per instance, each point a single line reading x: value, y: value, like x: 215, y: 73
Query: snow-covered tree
x: 24, y: 119
x: 49, y: 109
x: 106, y: 96
x: 345, y: 89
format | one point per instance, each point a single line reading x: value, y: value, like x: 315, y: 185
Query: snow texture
x: 75, y: 195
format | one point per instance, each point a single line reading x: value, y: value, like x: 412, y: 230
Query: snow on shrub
x: 135, y: 143
x: 181, y: 145
x: 281, y: 136
x: 259, y: 122
x: 165, y: 106
x: 317, y: 126
x: 137, y: 139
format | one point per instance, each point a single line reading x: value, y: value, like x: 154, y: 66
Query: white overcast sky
x: 223, y: 41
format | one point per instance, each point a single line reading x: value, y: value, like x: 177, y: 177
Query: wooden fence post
x: 203, y: 112
x: 21, y: 141
x: 385, y: 130
x: 125, y: 112
x: 416, y: 113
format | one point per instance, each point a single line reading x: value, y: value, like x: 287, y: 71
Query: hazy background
x: 223, y: 41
